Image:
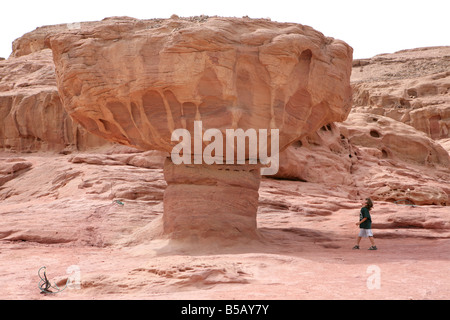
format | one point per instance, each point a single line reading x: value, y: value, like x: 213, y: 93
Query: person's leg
x: 358, y: 240
x: 372, y: 241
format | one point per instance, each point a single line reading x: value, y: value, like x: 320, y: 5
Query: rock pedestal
x: 135, y: 82
x: 210, y: 200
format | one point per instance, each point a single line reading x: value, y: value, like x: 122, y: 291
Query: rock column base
x: 204, y: 201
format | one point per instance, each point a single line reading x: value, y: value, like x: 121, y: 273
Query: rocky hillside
x: 410, y: 86
x: 32, y: 117
x: 394, y: 144
x: 399, y: 123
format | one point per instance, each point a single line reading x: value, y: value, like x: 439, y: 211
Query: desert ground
x: 307, y: 232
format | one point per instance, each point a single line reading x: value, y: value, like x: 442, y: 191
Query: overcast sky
x: 370, y: 27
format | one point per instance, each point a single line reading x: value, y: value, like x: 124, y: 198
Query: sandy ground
x: 407, y: 269
x: 304, y: 252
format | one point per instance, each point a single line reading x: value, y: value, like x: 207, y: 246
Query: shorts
x: 364, y: 233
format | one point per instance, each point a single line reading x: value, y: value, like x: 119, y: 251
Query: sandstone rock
x: 407, y: 87
x: 353, y: 157
x: 35, y: 41
x: 411, y: 86
x: 356, y: 157
x: 149, y: 159
x: 423, y: 103
x: 404, y: 64
x: 433, y: 120
x: 394, y: 140
x: 223, y: 201
x: 396, y: 163
x: 31, y: 112
x: 62, y: 211
x: 229, y: 73
x: 10, y: 168
x: 445, y: 143
x: 323, y: 157
x: 399, y: 182
x: 135, y: 81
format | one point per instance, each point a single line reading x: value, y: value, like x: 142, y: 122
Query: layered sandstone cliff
x: 31, y: 112
x: 33, y: 117
x: 411, y: 86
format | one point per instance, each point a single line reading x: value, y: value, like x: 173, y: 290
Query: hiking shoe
x: 373, y: 248
x: 355, y: 247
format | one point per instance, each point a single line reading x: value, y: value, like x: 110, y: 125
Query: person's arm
x: 358, y: 223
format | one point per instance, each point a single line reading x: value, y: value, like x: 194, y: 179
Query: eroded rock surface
x: 411, y: 86
x: 394, y: 139
x: 135, y: 81
x: 32, y: 115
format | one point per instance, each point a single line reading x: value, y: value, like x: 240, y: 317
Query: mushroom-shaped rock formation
x: 136, y: 82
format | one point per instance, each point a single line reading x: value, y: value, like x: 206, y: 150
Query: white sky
x: 370, y: 27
